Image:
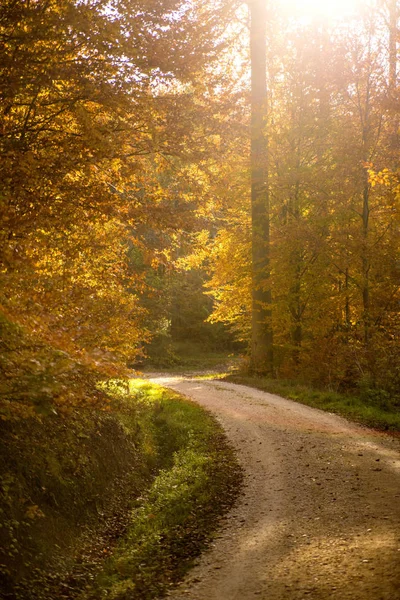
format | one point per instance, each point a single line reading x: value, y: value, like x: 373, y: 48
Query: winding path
x: 320, y: 513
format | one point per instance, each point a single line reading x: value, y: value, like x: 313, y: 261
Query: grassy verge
x: 172, y: 523
x: 97, y: 502
x: 371, y: 409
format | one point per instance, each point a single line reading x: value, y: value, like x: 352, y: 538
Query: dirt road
x: 320, y: 514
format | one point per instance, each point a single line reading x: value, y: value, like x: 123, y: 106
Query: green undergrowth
x: 99, y: 501
x: 172, y: 523
x: 186, y: 355
x: 370, y: 407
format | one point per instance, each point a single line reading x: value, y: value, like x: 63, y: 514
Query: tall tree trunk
x: 366, y: 261
x: 296, y: 261
x: 392, y: 87
x: 393, y: 17
x: 261, y: 343
x: 365, y: 117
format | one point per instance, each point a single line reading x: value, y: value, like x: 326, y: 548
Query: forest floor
x: 320, y: 513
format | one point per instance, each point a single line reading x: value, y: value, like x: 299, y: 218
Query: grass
x: 368, y: 408
x: 175, y: 518
x: 99, y: 502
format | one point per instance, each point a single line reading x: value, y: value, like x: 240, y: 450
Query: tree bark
x: 392, y: 84
x: 261, y: 342
x: 393, y: 18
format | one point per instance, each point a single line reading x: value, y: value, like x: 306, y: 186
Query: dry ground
x: 320, y: 514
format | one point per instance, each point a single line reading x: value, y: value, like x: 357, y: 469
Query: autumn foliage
x: 332, y: 126
x: 97, y: 178
x: 125, y: 159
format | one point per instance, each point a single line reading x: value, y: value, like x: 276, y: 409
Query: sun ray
x: 322, y: 8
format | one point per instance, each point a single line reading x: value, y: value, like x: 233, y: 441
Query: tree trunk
x: 365, y: 261
x: 392, y: 87
x: 393, y: 17
x: 261, y: 343
x: 365, y: 211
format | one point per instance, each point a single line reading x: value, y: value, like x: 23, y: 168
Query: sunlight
x: 314, y: 8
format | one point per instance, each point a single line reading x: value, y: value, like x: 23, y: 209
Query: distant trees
x: 333, y: 213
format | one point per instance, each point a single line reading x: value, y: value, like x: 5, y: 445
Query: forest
x: 216, y: 174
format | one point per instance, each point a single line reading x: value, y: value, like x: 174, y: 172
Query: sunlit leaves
x: 97, y: 164
x: 334, y: 207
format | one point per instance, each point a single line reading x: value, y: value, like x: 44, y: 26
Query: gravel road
x: 320, y: 513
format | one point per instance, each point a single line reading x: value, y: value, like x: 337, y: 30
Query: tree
x: 261, y: 344
x: 332, y: 218
x: 99, y: 143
